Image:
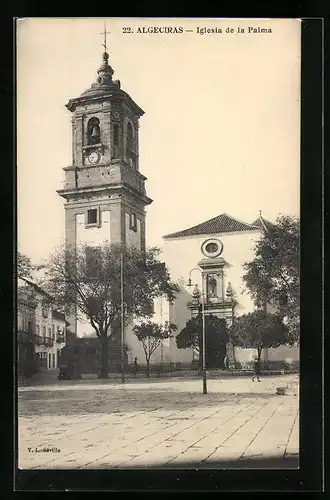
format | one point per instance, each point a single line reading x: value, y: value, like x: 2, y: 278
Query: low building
x: 25, y: 328
x: 45, y: 326
x: 59, y: 333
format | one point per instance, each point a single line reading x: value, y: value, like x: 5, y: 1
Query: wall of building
x: 285, y: 353
x: 168, y: 353
x: 48, y: 327
x: 133, y: 237
x: 44, y: 328
x: 25, y: 330
x: 93, y: 235
x: 59, y: 326
x: 248, y: 355
x: 182, y: 255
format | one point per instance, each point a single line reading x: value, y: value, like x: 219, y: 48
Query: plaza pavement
x: 170, y: 423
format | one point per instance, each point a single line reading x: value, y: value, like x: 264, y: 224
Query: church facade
x: 207, y: 261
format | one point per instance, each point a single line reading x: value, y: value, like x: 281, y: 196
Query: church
x: 106, y: 199
x: 207, y: 261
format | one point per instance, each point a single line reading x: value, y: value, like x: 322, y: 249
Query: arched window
x: 130, y: 149
x: 93, y: 131
x: 115, y: 135
x: 129, y: 137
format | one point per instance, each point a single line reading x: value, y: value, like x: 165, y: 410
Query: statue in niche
x: 212, y: 287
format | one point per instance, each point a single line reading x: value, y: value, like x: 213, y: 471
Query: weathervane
x: 105, y: 32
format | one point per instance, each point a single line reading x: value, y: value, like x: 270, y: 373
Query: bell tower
x: 104, y: 191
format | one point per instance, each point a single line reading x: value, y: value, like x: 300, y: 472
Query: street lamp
x: 203, y: 322
x: 122, y: 319
x: 230, y: 295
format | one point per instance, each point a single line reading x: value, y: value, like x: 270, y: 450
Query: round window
x: 212, y: 247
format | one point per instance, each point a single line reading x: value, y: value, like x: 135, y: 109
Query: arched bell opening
x: 93, y: 131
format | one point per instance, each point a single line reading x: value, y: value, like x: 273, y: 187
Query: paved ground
x: 90, y: 424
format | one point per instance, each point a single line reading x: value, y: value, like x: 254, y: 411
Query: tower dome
x: 104, y: 81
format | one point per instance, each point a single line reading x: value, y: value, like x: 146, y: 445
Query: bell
x: 95, y: 132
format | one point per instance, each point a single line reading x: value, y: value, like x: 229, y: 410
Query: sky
x: 221, y: 130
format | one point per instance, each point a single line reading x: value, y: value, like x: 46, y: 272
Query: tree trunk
x: 148, y: 368
x: 259, y: 350
x: 103, y: 356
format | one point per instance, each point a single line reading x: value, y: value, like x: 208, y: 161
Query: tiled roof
x: 223, y: 223
x: 36, y: 287
x: 262, y: 223
x: 58, y: 315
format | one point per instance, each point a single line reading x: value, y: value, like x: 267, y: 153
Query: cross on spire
x: 105, y: 33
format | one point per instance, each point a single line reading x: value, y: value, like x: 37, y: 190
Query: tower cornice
x: 106, y: 94
x: 73, y: 194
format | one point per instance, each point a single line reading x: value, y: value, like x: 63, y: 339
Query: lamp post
x: 162, y: 343
x: 203, y: 323
x: 230, y: 295
x: 122, y: 319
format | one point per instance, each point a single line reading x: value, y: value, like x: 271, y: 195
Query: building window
x: 129, y: 137
x: 115, y: 135
x: 38, y: 330
x: 45, y: 309
x: 49, y: 333
x: 53, y: 332
x: 115, y: 153
x: 54, y: 361
x: 49, y: 360
x: 44, y: 331
x: 212, y: 247
x: 93, y: 131
x: 133, y: 222
x: 130, y: 147
x: 92, y: 216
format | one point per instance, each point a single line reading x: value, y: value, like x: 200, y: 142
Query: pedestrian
x: 256, y: 370
x: 226, y: 363
x: 135, y: 367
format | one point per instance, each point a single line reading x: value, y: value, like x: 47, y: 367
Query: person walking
x: 135, y: 367
x: 256, y: 370
x: 226, y: 363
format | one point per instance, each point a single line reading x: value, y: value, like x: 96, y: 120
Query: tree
x: 25, y: 267
x: 258, y: 330
x: 273, y: 275
x: 151, y: 335
x: 216, y: 337
x: 86, y: 282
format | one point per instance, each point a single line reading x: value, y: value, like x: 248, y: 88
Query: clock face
x: 93, y: 157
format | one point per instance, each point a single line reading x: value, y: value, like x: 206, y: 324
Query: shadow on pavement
x: 72, y: 402
x: 271, y: 462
